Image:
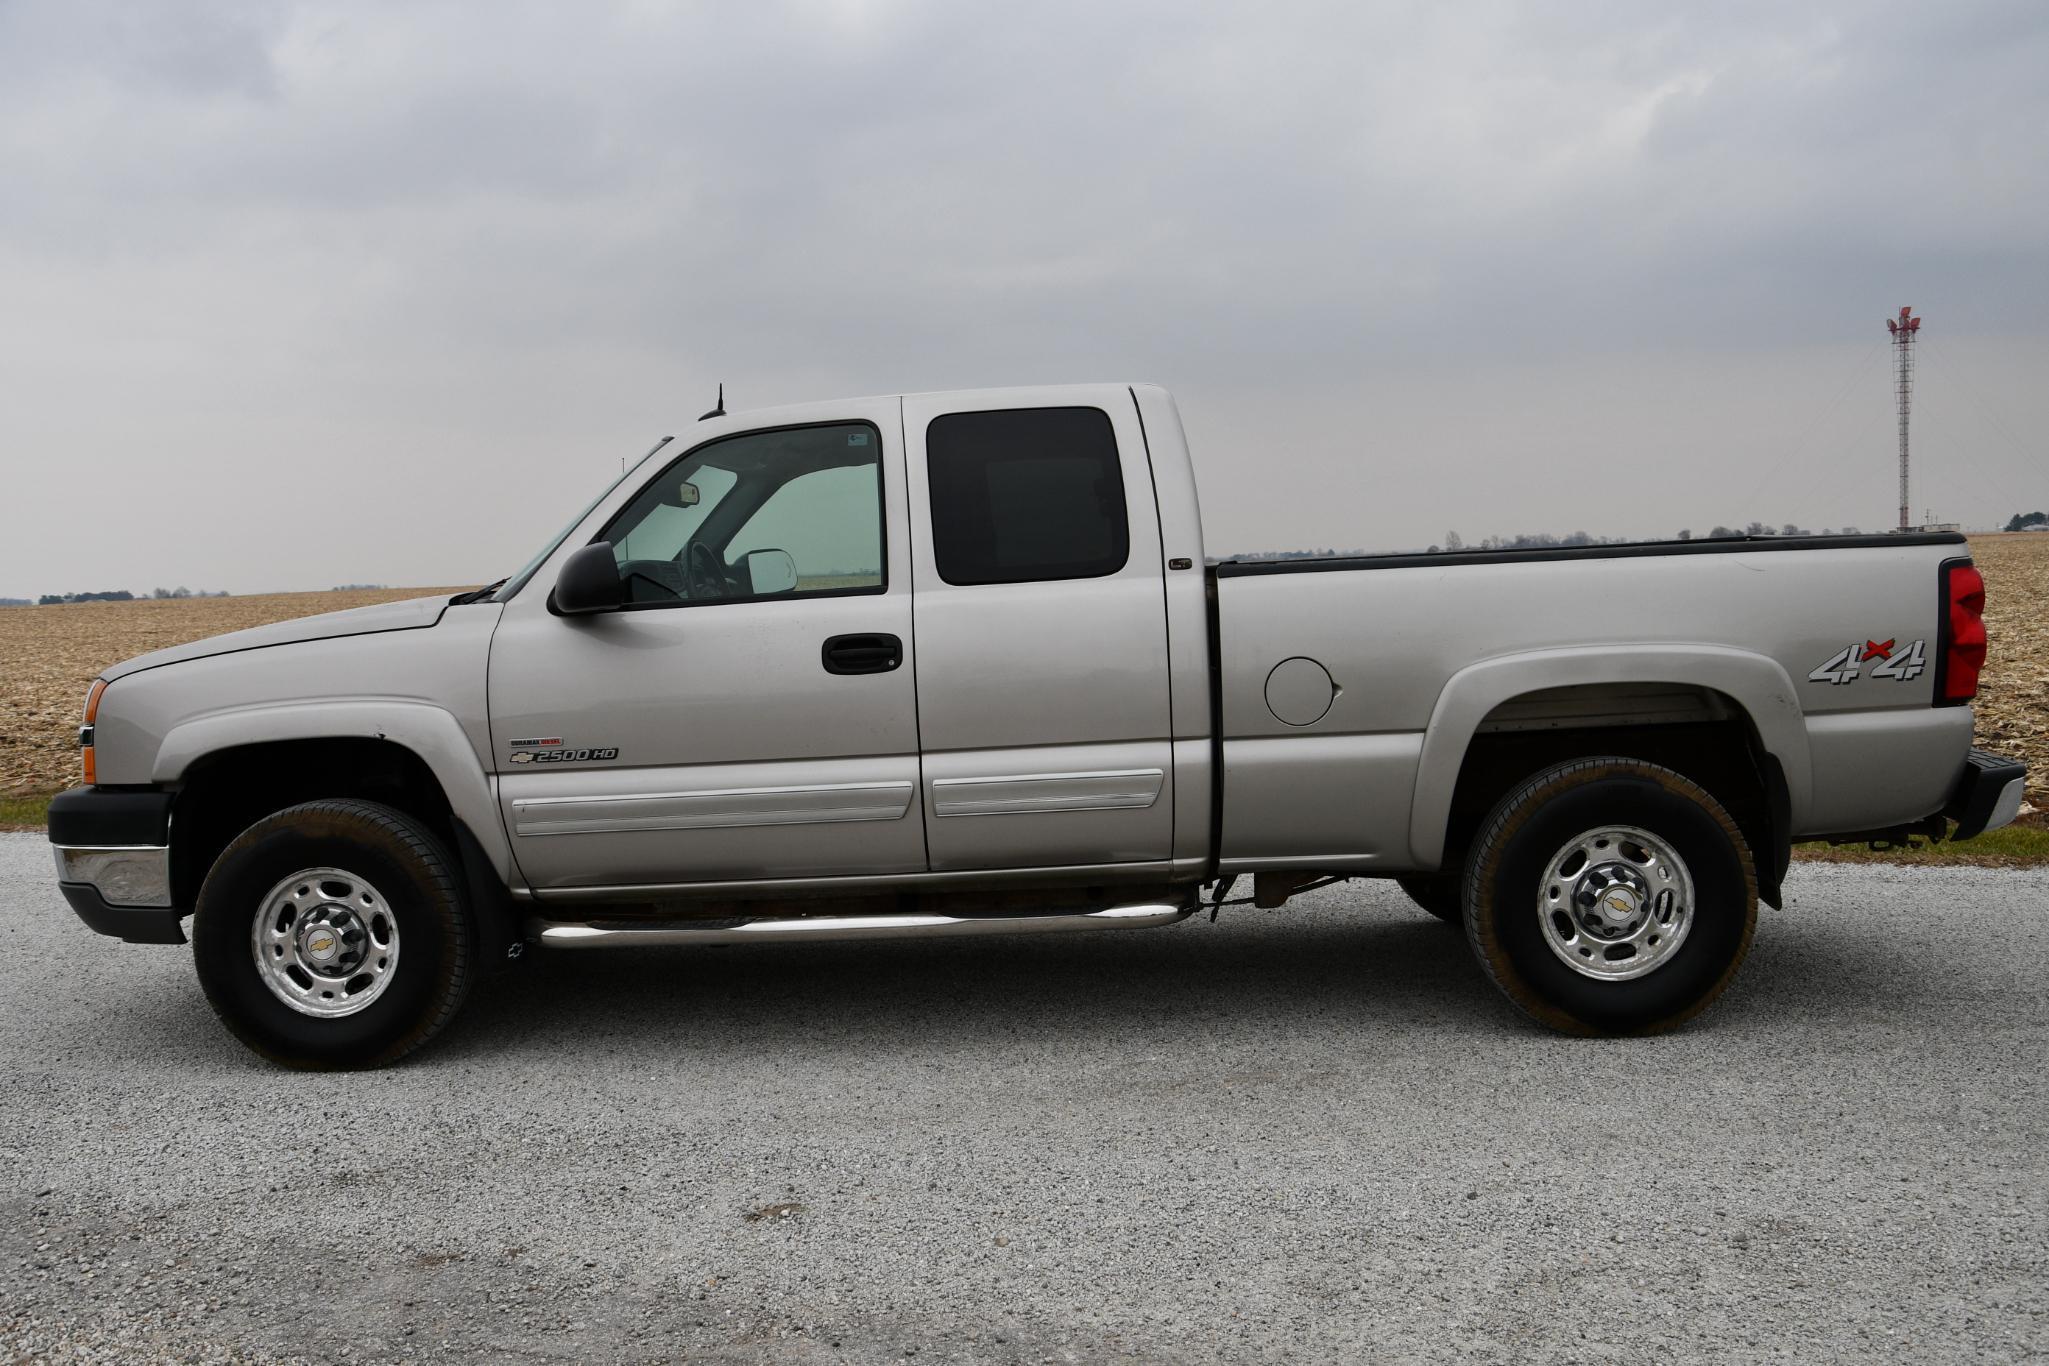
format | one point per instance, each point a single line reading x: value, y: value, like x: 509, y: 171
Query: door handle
x: 875, y: 653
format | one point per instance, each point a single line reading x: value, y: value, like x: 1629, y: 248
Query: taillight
x: 1963, y: 633
x: 92, y: 711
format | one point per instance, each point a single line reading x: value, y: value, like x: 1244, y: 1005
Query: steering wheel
x: 705, y: 577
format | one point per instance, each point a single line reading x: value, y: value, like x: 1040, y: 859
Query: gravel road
x: 1306, y: 1134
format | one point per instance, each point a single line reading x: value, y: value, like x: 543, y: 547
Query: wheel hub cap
x: 1615, y: 903
x: 1617, y: 894
x: 331, y: 939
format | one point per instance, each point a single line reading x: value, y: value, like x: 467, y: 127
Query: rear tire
x: 1438, y: 893
x: 334, y: 935
x: 1610, y: 896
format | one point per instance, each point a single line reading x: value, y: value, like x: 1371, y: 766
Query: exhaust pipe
x: 561, y: 934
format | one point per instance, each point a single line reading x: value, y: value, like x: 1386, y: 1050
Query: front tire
x: 1610, y: 896
x: 334, y: 935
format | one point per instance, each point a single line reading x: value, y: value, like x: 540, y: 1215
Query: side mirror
x: 589, y: 582
x: 770, y: 571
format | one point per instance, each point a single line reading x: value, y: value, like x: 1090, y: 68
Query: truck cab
x: 842, y: 642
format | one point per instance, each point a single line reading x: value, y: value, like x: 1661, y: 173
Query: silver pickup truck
x: 947, y: 664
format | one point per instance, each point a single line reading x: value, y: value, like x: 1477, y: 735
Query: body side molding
x: 811, y: 804
x: 1023, y: 793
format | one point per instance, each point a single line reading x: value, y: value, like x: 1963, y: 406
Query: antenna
x: 719, y: 411
x: 1903, y: 329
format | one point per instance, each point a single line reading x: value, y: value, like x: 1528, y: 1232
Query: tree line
x: 1544, y: 540
x: 112, y: 595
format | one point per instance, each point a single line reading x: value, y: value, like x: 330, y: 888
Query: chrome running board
x: 559, y: 934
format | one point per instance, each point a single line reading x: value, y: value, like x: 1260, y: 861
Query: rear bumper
x: 113, y: 853
x: 1987, y: 796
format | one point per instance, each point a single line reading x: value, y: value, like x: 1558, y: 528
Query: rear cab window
x: 1026, y: 495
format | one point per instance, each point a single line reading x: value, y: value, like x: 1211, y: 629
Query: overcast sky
x: 301, y: 294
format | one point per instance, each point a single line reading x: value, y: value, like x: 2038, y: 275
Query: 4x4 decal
x: 1901, y: 665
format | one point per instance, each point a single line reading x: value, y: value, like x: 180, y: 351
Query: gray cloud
x: 309, y: 293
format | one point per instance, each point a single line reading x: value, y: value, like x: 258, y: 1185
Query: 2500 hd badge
x: 559, y: 756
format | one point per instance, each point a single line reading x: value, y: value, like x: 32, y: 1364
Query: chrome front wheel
x: 326, y: 942
x: 298, y: 930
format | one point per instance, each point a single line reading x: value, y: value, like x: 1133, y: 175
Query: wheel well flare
x: 225, y: 792
x: 1700, y: 733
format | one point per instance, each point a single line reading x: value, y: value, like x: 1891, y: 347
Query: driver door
x: 751, y: 712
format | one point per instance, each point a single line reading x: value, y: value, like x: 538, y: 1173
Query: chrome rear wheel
x: 1610, y: 895
x: 1616, y: 903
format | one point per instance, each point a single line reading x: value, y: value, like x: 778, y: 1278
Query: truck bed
x: 1426, y: 651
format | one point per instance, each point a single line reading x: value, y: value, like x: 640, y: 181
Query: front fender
x: 1755, y: 682
x: 431, y: 733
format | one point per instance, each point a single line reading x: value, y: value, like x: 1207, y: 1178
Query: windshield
x: 518, y: 581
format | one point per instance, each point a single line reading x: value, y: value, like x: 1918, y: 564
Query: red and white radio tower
x: 1903, y: 329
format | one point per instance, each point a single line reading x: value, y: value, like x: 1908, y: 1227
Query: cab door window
x: 796, y: 511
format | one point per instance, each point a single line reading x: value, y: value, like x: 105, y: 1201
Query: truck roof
x: 1028, y: 395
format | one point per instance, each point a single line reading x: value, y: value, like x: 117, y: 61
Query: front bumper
x: 136, y: 924
x: 113, y: 852
x: 1988, y: 795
